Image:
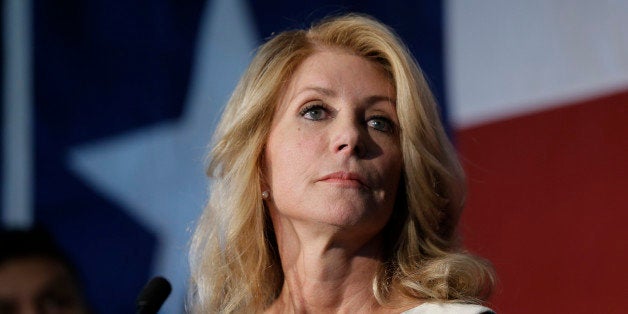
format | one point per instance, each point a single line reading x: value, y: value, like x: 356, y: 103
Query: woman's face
x: 333, y: 153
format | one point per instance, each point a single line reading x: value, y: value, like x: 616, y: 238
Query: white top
x: 449, y: 308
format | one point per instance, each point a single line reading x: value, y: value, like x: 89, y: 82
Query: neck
x: 325, y: 269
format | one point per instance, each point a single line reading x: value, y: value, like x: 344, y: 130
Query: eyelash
x: 390, y: 128
x: 312, y: 106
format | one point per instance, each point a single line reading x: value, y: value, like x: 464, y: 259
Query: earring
x: 265, y: 194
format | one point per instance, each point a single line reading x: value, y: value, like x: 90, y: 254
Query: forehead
x: 326, y: 65
x: 338, y: 69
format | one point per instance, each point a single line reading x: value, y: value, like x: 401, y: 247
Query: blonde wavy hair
x: 234, y: 259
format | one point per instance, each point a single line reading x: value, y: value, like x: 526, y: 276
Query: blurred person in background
x: 36, y: 276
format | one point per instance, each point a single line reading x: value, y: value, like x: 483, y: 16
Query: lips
x: 346, y: 179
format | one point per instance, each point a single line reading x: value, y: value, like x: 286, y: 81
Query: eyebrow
x: 322, y: 90
x: 377, y: 98
x: 331, y: 93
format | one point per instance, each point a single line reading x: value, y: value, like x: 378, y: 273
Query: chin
x: 350, y: 217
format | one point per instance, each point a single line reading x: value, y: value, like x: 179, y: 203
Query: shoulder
x: 449, y: 308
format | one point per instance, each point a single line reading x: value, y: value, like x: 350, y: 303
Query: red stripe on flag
x: 547, y: 195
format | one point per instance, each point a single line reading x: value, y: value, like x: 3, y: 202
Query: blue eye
x: 381, y: 124
x: 314, y: 112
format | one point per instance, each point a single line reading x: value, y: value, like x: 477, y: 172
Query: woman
x: 335, y: 187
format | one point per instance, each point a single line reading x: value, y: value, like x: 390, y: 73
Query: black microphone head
x: 153, y: 295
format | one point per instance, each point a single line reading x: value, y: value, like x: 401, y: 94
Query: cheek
x: 292, y: 157
x: 396, y: 163
x: 391, y: 167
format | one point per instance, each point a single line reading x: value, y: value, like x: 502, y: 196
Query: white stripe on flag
x: 17, y: 141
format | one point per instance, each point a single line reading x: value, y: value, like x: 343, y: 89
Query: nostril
x: 351, y: 149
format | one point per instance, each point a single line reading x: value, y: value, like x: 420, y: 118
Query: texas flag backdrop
x: 108, y: 107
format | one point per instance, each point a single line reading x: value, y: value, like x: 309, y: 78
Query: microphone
x: 153, y: 296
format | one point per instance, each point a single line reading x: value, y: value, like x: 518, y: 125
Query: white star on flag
x: 156, y: 173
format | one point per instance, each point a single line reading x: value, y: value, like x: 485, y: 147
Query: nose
x: 348, y: 137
